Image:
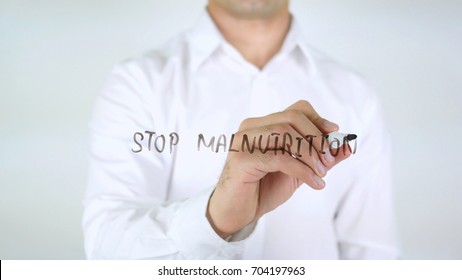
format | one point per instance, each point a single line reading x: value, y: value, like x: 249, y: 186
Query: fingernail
x: 328, y: 156
x: 320, y: 167
x: 320, y: 182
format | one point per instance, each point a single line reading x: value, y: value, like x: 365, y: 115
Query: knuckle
x: 277, y: 128
x: 293, y: 115
x: 246, y: 123
x: 239, y: 135
x: 310, y: 159
x: 304, y: 103
x: 281, y: 128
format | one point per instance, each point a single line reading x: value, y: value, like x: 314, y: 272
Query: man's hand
x: 252, y: 184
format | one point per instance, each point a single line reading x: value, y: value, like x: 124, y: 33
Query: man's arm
x: 254, y: 183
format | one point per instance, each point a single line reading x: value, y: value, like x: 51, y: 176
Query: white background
x: 55, y: 55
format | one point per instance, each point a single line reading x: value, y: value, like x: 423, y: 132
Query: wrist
x: 213, y: 223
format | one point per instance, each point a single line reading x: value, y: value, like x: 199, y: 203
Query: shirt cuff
x: 195, y: 237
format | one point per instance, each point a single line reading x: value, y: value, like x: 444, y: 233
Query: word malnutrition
x: 273, y: 142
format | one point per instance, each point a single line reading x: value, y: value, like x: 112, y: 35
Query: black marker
x: 337, y: 139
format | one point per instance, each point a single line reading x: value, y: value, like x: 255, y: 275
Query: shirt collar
x: 295, y: 39
x: 205, y: 38
x: 296, y: 42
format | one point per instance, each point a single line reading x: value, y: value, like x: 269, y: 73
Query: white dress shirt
x: 152, y: 205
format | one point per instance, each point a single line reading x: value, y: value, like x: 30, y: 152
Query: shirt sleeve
x: 126, y: 212
x: 365, y: 222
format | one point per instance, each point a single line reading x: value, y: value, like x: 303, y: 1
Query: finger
x: 307, y: 109
x: 340, y: 154
x: 279, y: 138
x: 300, y: 122
x: 270, y: 162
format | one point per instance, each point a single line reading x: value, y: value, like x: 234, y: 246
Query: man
x: 243, y: 72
